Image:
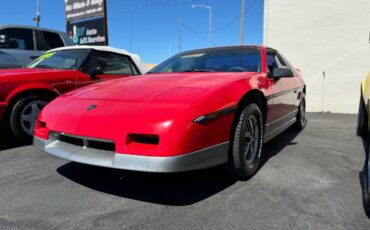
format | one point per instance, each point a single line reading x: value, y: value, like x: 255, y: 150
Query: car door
x: 21, y: 48
x: 102, y: 66
x: 284, y: 90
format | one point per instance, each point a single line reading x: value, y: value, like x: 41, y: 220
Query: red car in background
x: 196, y: 110
x: 24, y: 92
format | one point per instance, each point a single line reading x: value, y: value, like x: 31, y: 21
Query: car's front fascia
x: 166, y: 142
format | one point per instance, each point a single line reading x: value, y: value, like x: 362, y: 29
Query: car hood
x: 164, y: 87
x: 11, y: 74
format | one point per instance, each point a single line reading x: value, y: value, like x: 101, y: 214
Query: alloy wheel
x: 251, y: 139
x: 29, y: 115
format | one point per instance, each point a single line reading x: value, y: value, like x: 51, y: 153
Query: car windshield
x: 62, y: 59
x: 241, y: 59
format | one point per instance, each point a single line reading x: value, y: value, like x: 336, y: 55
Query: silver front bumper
x: 204, y: 158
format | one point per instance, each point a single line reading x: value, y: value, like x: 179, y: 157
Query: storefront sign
x: 88, y: 32
x: 81, y: 9
x: 87, y: 21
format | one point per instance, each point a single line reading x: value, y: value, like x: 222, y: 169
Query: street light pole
x: 242, y: 25
x: 180, y: 34
x: 266, y: 22
x: 37, y: 18
x: 210, y: 21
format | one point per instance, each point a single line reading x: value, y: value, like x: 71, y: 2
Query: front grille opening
x: 82, y: 142
x: 144, y: 139
x: 108, y: 146
x: 71, y: 140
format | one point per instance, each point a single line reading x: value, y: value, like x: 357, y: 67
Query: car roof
x: 225, y: 48
x: 29, y: 27
x: 142, y: 67
x: 101, y: 48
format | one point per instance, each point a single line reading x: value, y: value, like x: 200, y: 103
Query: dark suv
x: 19, y: 45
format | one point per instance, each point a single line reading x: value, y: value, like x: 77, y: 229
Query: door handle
x: 69, y: 81
x: 34, y: 57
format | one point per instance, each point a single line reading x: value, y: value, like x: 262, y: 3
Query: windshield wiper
x: 199, y: 70
x: 44, y: 67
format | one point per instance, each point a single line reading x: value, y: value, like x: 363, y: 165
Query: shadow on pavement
x: 175, y: 189
x: 361, y: 177
x: 276, y: 145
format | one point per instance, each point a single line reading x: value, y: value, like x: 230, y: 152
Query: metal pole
x: 180, y: 34
x: 106, y: 23
x: 130, y: 31
x: 210, y: 28
x: 210, y: 21
x: 242, y: 24
x: 37, y: 19
x: 266, y: 22
x: 323, y: 91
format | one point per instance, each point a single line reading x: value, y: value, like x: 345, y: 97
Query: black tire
x: 301, y: 116
x: 16, y: 125
x: 362, y: 120
x: 366, y: 195
x: 247, y: 141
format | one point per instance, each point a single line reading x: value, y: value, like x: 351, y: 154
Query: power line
x: 155, y: 3
x: 196, y: 33
x: 237, y: 18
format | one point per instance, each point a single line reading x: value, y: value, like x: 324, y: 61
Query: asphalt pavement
x: 308, y: 180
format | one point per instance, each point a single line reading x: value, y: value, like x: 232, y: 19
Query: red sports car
x: 24, y: 92
x: 196, y: 110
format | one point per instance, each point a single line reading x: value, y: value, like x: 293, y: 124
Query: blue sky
x: 155, y: 23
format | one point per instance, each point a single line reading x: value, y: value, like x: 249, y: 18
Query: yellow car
x: 363, y: 130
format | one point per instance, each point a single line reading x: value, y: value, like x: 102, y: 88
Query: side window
x: 52, y: 40
x: 111, y: 64
x: 274, y: 61
x: 20, y: 39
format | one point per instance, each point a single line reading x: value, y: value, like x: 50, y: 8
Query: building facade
x: 329, y: 42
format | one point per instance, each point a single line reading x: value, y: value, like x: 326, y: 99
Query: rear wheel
x: 247, y: 140
x: 301, y: 116
x: 23, y: 116
x: 362, y: 120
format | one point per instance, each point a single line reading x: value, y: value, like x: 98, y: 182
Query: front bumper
x: 204, y: 158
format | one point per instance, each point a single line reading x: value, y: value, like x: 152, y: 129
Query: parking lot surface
x: 308, y: 180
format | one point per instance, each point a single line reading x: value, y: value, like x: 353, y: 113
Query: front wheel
x: 23, y: 116
x: 247, y: 140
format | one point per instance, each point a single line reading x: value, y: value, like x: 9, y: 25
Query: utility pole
x: 37, y: 18
x: 130, y: 31
x: 242, y: 24
x: 266, y: 22
x: 180, y: 34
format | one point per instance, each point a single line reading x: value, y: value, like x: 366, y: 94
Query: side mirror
x: 4, y: 40
x: 95, y: 72
x: 282, y: 72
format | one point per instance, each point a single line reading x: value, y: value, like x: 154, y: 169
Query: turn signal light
x: 40, y: 130
x: 143, y: 139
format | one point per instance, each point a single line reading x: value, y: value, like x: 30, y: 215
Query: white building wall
x: 317, y: 36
